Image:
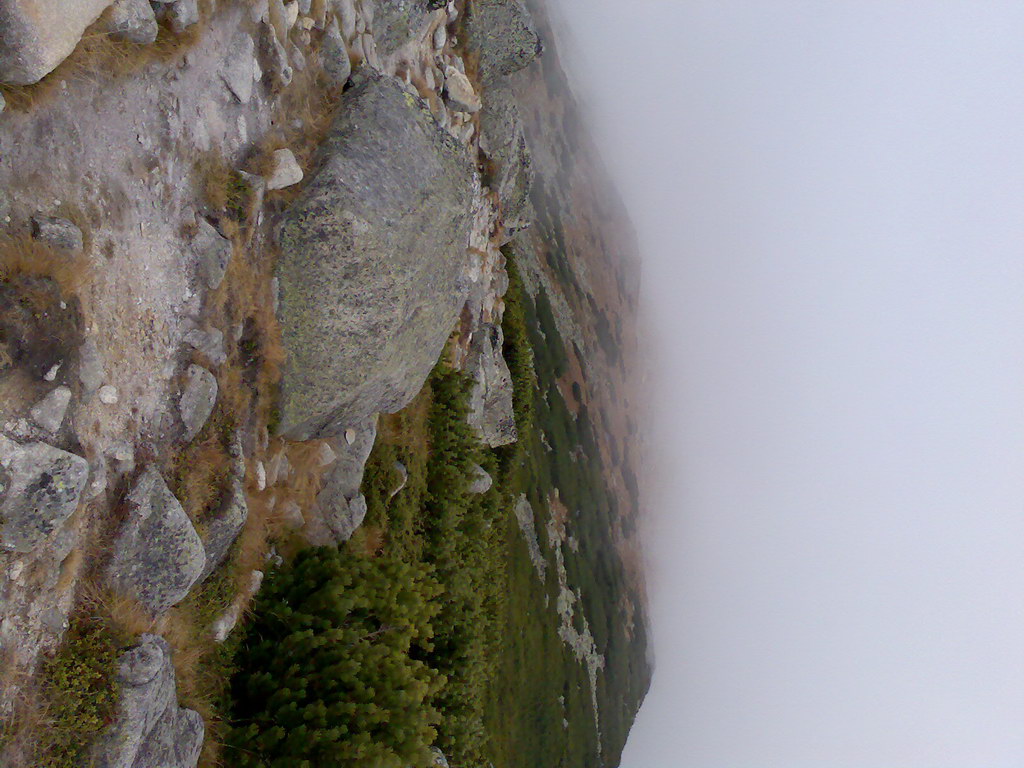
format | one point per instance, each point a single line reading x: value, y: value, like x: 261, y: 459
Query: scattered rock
x: 296, y: 57
x: 291, y: 14
x: 285, y: 170
x: 51, y: 375
x: 403, y: 478
x: 439, y: 759
x: 43, y: 486
x: 149, y: 729
x: 334, y: 54
x: 90, y: 366
x: 237, y: 70
x: 261, y: 476
x: 525, y: 518
x: 278, y: 467
x: 158, y: 556
x: 371, y: 256
x: 346, y: 13
x: 326, y: 455
x: 481, y: 480
x: 224, y: 527
x: 460, y: 91
x: 179, y: 15
x: 502, y: 34
x: 133, y: 21
x: 197, y: 400
x: 440, y: 37
x: 3, y: 103
x: 490, y: 401
x: 214, y: 252
x: 108, y: 394
x: 37, y: 35
x: 49, y: 412
x: 209, y: 343
x: 57, y: 233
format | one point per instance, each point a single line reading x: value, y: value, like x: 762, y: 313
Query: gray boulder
x: 509, y: 152
x: 133, y: 21
x: 57, y: 232
x: 490, y: 400
x: 224, y: 528
x: 37, y: 35
x: 209, y: 343
x: 214, y: 252
x: 149, y: 730
x: 41, y: 488
x: 197, y: 400
x: 158, y: 555
x: 502, y: 34
x: 371, y: 259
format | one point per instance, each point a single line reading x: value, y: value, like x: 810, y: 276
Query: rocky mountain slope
x: 232, y: 233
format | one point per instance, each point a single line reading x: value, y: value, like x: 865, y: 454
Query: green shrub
x: 329, y: 674
x: 80, y: 688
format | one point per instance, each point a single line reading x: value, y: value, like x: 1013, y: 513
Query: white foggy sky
x: 830, y: 201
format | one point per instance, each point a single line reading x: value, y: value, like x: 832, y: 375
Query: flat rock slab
x: 43, y: 486
x: 158, y: 555
x: 371, y: 258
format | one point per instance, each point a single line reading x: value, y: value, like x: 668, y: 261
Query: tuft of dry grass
x: 23, y: 256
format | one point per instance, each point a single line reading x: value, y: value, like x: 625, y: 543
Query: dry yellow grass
x: 22, y: 256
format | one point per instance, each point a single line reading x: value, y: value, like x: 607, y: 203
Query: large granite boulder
x: 502, y: 34
x: 372, y: 261
x: 149, y: 729
x: 40, y: 487
x: 490, y: 400
x: 509, y: 152
x: 37, y: 35
x: 158, y: 555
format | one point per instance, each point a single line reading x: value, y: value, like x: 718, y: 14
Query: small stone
x: 403, y: 478
x: 108, y: 394
x: 291, y: 14
x: 214, y: 252
x: 482, y: 481
x: 133, y: 21
x: 350, y: 435
x: 261, y: 476
x: 460, y: 90
x: 291, y: 515
x: 54, y: 620
x: 90, y: 365
x: 209, y: 343
x: 296, y: 57
x: 3, y: 103
x: 440, y: 37
x: 197, y: 400
x: 51, y: 375
x: 275, y: 58
x: 57, y: 232
x: 49, y: 412
x: 346, y: 11
x: 326, y: 455
x: 286, y: 171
